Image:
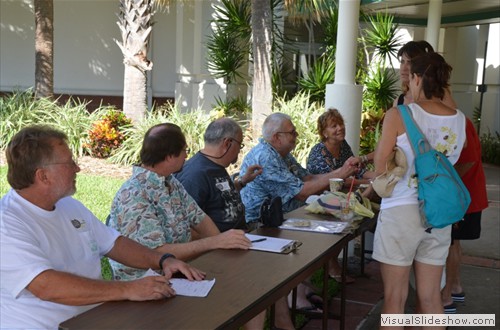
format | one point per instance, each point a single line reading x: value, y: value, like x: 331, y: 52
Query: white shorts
x: 400, y: 238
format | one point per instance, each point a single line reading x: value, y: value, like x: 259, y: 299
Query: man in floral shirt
x: 154, y: 209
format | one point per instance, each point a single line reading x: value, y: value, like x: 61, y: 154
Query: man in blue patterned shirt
x: 282, y: 175
x: 154, y: 209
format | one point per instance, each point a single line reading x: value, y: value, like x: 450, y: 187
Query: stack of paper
x: 330, y: 227
x: 272, y: 244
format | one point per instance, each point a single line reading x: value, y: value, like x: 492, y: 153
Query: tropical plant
x: 381, y: 38
x: 135, y: 21
x: 261, y: 52
x: 490, y: 148
x: 106, y: 134
x: 380, y: 90
x: 20, y: 109
x: 44, y: 48
x: 237, y: 107
x: 229, y: 44
x: 193, y: 125
x: 380, y: 43
x: 315, y: 81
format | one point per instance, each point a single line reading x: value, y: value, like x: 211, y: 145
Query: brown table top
x: 246, y: 282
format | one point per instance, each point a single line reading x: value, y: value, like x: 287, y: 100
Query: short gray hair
x: 273, y: 124
x: 220, y: 129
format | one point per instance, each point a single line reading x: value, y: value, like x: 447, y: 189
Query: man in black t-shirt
x: 205, y: 178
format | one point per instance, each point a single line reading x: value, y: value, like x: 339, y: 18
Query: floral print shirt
x: 322, y: 161
x: 281, y: 176
x: 152, y: 210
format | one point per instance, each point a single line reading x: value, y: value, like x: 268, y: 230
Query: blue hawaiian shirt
x: 152, y: 210
x: 281, y: 176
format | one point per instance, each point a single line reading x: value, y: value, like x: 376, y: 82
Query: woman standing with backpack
x: 401, y: 239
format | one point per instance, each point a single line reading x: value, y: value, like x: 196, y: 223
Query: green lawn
x: 95, y: 192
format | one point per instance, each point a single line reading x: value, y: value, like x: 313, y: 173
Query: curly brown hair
x: 330, y: 116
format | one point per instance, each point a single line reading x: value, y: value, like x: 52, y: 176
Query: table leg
x: 362, y: 258
x: 325, y: 296
x: 294, y: 304
x: 342, y: 288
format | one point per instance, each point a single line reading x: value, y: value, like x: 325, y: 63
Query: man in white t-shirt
x: 51, y: 245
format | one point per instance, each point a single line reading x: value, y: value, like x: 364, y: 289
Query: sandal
x: 450, y: 309
x: 458, y: 297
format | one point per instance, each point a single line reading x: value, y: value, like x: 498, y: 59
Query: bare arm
x: 70, y: 289
x: 210, y: 239
x: 133, y: 254
x: 252, y: 172
x: 393, y: 126
x: 317, y: 183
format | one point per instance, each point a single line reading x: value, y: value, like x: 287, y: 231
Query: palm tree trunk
x: 136, y: 23
x: 134, y: 93
x: 44, y: 48
x: 262, y: 88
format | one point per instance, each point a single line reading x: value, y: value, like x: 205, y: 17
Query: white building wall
x: 88, y: 61
x: 195, y: 87
x: 490, y: 115
x: 86, y: 57
x: 17, y: 45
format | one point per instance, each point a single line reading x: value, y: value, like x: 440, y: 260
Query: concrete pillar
x: 194, y: 87
x: 344, y: 94
x: 433, y: 22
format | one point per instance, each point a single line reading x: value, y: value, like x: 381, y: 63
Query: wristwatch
x: 163, y: 257
x: 240, y: 181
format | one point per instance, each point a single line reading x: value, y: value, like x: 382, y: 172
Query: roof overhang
x: 453, y: 12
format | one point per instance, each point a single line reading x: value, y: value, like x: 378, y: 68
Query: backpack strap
x: 418, y: 142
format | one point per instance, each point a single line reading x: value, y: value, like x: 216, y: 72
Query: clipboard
x: 273, y: 244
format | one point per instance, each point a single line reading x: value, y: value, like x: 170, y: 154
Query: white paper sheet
x: 185, y: 287
x: 331, y: 227
x: 272, y: 244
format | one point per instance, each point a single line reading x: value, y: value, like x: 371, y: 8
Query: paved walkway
x: 480, y: 273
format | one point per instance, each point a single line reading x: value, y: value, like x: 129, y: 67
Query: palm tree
x: 44, y: 48
x: 262, y: 25
x: 135, y: 23
x: 261, y: 45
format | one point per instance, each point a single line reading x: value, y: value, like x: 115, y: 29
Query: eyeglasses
x: 239, y: 143
x: 292, y: 132
x: 187, y: 151
x: 72, y: 162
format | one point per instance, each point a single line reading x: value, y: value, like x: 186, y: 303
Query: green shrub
x: 490, y: 147
x: 21, y: 109
x: 193, y: 125
x: 235, y: 108
x: 314, y: 82
x: 106, y: 134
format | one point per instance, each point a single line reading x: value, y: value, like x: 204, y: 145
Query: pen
x: 259, y: 240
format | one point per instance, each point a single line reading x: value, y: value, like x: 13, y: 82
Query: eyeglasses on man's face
x: 293, y: 132
x: 240, y: 143
x: 73, y: 162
